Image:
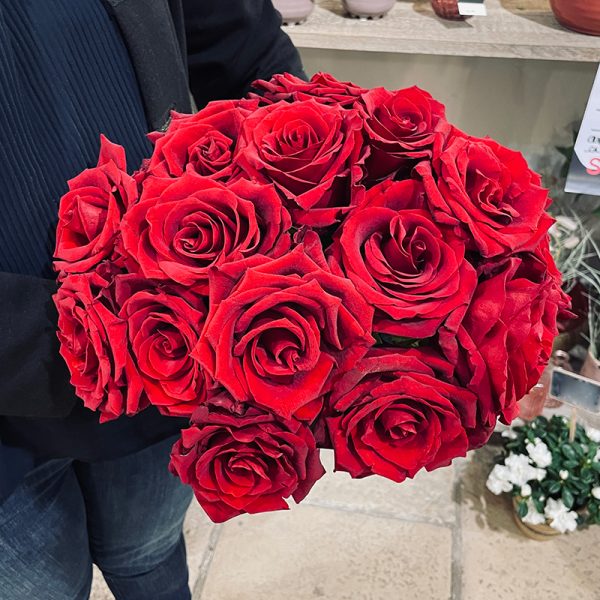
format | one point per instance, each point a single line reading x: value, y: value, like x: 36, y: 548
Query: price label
x: 584, y: 170
x: 472, y: 8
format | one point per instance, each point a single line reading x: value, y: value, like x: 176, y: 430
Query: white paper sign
x: 472, y: 8
x: 585, y: 166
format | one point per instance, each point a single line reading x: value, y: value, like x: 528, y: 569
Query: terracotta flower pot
x: 579, y: 15
x: 368, y: 9
x: 294, y: 12
x: 447, y: 9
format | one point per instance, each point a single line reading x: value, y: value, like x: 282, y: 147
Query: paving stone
x: 312, y: 552
x: 100, y: 590
x: 500, y: 562
x: 426, y: 497
x: 197, y: 529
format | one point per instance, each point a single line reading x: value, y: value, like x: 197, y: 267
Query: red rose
x: 163, y: 326
x: 412, y: 272
x: 401, y: 128
x: 90, y: 212
x: 488, y: 193
x: 506, y: 336
x: 204, y: 142
x: 310, y: 152
x: 394, y: 415
x: 181, y: 228
x: 93, y: 343
x: 278, y: 329
x: 323, y: 87
x: 246, y: 463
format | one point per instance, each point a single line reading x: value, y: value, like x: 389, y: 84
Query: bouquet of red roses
x: 317, y: 265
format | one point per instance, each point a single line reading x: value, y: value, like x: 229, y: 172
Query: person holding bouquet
x: 74, y: 492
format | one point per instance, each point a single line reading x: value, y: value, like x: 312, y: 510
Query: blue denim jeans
x: 124, y: 515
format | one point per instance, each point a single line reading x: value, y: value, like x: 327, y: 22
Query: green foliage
x: 384, y: 339
x: 576, y: 458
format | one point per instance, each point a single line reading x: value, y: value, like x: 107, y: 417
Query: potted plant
x: 589, y: 273
x: 552, y: 471
x: 579, y: 15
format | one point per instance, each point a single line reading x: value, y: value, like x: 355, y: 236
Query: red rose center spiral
x: 212, y: 152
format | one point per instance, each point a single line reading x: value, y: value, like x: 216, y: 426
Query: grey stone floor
x: 439, y: 537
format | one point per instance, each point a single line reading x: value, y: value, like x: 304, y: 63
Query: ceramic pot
x: 447, y: 9
x: 368, y: 9
x: 294, y: 12
x: 579, y: 15
x: 540, y: 533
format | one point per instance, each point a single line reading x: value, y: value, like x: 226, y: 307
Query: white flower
x: 561, y: 518
x: 596, y: 492
x: 597, y: 457
x: 521, y: 471
x: 509, y: 434
x: 593, y: 434
x: 563, y: 474
x: 498, y: 480
x: 539, y: 454
x: 525, y: 490
x: 533, y: 517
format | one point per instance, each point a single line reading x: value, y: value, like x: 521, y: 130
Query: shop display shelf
x: 523, y: 29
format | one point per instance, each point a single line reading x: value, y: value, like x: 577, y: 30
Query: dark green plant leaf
x: 522, y: 509
x: 553, y: 487
x: 567, y: 498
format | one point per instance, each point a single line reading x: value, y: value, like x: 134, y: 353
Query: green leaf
x: 596, y: 466
x: 397, y: 340
x: 553, y: 487
x: 539, y: 505
x: 522, y: 509
x: 567, y: 498
x: 569, y: 453
x: 570, y: 464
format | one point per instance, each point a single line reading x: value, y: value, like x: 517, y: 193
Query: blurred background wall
x: 526, y: 104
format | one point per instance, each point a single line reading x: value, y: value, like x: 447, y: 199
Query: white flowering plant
x: 555, y: 481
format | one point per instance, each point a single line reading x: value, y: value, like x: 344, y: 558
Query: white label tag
x: 472, y: 8
x: 585, y: 166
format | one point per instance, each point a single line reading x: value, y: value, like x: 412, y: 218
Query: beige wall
x: 525, y: 104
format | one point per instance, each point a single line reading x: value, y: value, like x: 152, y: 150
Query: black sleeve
x: 34, y: 380
x: 231, y: 43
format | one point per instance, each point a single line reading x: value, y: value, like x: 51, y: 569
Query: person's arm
x: 231, y: 43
